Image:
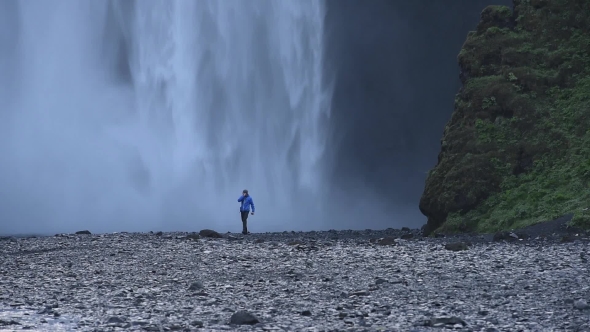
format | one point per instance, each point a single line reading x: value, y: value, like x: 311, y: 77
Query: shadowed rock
x: 197, y: 285
x: 456, y: 246
x: 210, y: 234
x: 443, y: 321
x: 386, y: 241
x: 243, y: 318
x: 505, y: 236
x: 193, y: 236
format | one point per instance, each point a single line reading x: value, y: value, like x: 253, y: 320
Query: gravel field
x: 389, y: 280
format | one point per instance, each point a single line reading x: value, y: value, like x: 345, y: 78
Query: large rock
x: 243, y: 317
x: 516, y: 148
x: 210, y: 233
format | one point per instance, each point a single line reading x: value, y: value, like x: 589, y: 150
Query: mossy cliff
x: 517, y: 148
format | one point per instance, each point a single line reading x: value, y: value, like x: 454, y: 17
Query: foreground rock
x: 210, y: 233
x: 243, y: 318
x: 289, y: 281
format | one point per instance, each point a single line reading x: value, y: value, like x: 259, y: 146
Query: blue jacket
x: 246, y: 201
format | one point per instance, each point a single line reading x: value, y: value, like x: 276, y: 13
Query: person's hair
x: 245, y: 191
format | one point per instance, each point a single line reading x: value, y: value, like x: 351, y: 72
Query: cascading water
x: 137, y: 115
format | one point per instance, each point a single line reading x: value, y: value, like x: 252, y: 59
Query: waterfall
x: 139, y: 115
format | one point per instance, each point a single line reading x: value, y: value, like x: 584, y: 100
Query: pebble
x: 335, y: 280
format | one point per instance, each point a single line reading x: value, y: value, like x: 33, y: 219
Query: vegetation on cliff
x: 517, y: 148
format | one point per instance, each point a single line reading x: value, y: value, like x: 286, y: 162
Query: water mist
x: 139, y: 115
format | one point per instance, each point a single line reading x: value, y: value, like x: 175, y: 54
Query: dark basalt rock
x: 210, y: 234
x: 456, y: 246
x: 193, y: 236
x: 243, y: 318
x: 386, y: 241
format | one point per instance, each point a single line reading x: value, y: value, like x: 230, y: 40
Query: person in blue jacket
x: 247, y: 202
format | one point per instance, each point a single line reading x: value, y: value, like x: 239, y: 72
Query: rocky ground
x: 389, y: 280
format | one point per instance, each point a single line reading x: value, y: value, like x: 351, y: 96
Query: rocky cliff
x: 517, y: 147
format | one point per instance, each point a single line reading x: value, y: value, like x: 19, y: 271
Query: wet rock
x: 115, y: 320
x: 195, y: 286
x: 306, y: 313
x: 193, y: 236
x: 360, y: 293
x: 581, y: 305
x: 380, y: 281
x: 444, y: 321
x: 8, y: 322
x: 407, y: 236
x: 210, y: 234
x: 196, y: 323
x: 456, y: 246
x: 505, y: 236
x: 387, y: 241
x: 243, y: 317
x: 7, y: 238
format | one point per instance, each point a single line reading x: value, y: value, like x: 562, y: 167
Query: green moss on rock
x: 517, y: 148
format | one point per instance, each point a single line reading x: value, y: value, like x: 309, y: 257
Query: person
x: 247, y: 202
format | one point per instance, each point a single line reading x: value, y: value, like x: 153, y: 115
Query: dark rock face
x: 516, y: 148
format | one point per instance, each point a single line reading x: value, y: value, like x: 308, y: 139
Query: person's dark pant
x: 244, y: 221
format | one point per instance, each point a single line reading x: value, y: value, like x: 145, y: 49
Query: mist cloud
x: 154, y: 115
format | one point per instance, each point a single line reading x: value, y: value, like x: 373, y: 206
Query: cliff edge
x: 516, y: 150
